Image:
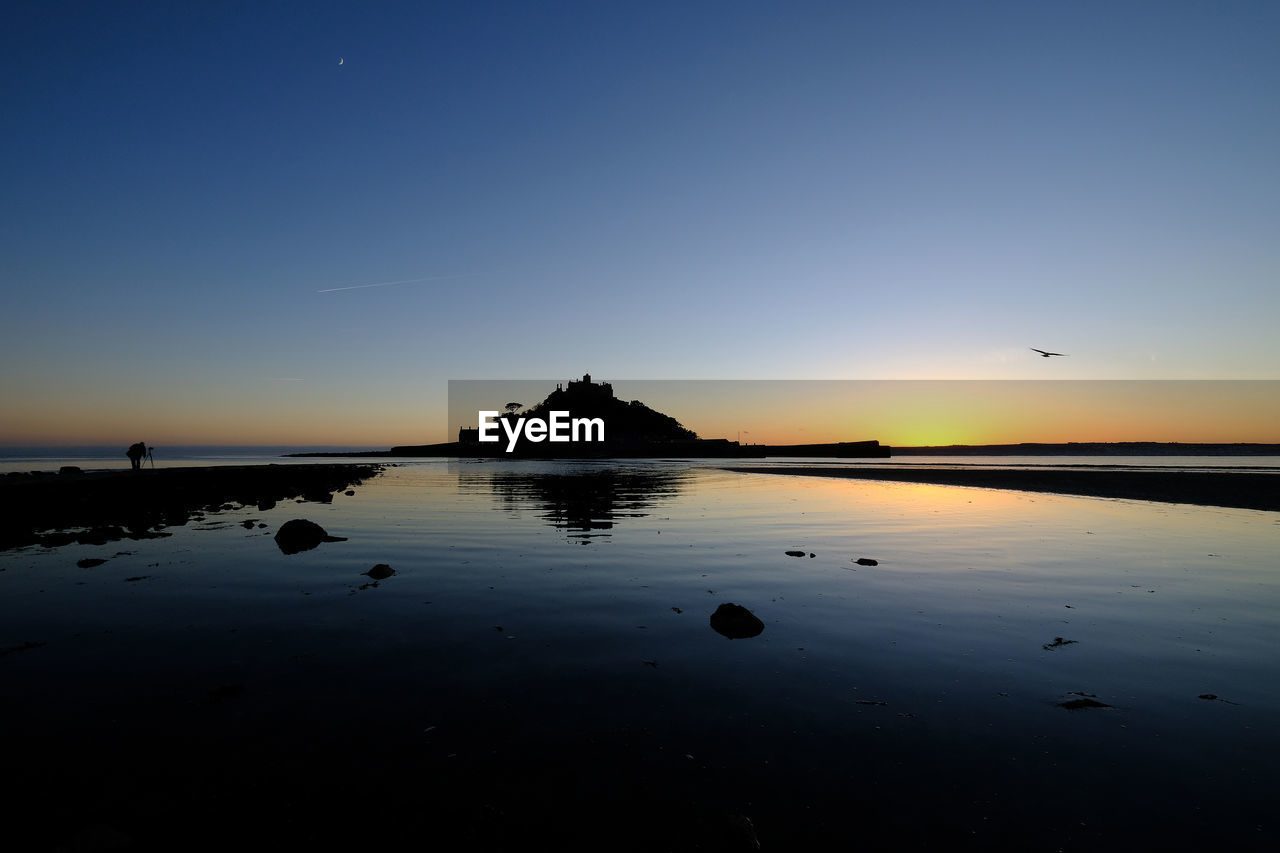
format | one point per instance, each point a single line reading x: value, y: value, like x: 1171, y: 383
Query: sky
x: 294, y: 223
x: 922, y: 412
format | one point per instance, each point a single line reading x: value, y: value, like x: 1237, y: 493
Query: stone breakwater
x: 99, y: 507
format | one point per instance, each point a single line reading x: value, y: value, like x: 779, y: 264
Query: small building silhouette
x: 586, y: 387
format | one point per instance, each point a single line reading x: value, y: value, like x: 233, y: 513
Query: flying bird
x: 1046, y: 354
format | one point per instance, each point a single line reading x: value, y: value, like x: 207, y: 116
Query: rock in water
x: 302, y: 535
x: 381, y: 572
x: 735, y: 622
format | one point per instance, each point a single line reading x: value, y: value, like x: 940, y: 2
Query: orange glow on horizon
x: 895, y: 413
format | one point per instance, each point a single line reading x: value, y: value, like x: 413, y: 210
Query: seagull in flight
x: 1046, y: 354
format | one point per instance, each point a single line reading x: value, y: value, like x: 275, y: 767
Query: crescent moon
x: 339, y: 60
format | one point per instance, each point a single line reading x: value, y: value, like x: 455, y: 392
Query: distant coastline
x: 696, y: 448
x: 1094, y: 448
x: 861, y: 449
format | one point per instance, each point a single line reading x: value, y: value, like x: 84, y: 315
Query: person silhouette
x: 135, y: 454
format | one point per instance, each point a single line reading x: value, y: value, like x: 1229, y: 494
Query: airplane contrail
x: 402, y: 281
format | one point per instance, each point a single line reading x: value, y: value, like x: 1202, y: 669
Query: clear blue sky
x: 639, y: 190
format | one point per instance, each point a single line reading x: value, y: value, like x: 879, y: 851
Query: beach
x: 532, y: 653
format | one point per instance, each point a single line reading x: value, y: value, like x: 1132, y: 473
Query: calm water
x: 95, y: 458
x: 543, y: 658
x: 101, y: 458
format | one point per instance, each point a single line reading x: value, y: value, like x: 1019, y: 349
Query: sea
x: 105, y: 458
x: 934, y: 667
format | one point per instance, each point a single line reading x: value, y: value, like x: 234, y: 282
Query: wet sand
x: 1246, y: 490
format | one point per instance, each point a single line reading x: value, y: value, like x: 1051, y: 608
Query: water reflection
x: 584, y: 502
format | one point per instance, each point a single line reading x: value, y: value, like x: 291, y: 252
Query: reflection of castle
x: 585, y: 504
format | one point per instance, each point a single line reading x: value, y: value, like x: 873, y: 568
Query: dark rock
x: 23, y: 647
x: 137, y: 578
x: 302, y: 535
x: 867, y: 561
x: 247, y: 524
x: 101, y: 535
x: 350, y: 493
x: 99, y: 837
x: 739, y: 834
x: 70, y: 471
x: 381, y: 572
x: 265, y: 504
x: 1089, y: 700
x: 226, y: 692
x: 735, y: 622
x: 90, y: 562
x: 795, y: 553
x: 1057, y: 641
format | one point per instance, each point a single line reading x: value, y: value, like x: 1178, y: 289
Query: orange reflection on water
x: 837, y: 504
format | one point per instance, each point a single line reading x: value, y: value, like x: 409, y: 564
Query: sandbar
x: 1242, y: 490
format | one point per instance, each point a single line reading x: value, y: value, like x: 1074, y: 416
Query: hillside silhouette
x: 625, y: 422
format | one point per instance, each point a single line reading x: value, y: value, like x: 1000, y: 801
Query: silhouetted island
x: 632, y: 431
